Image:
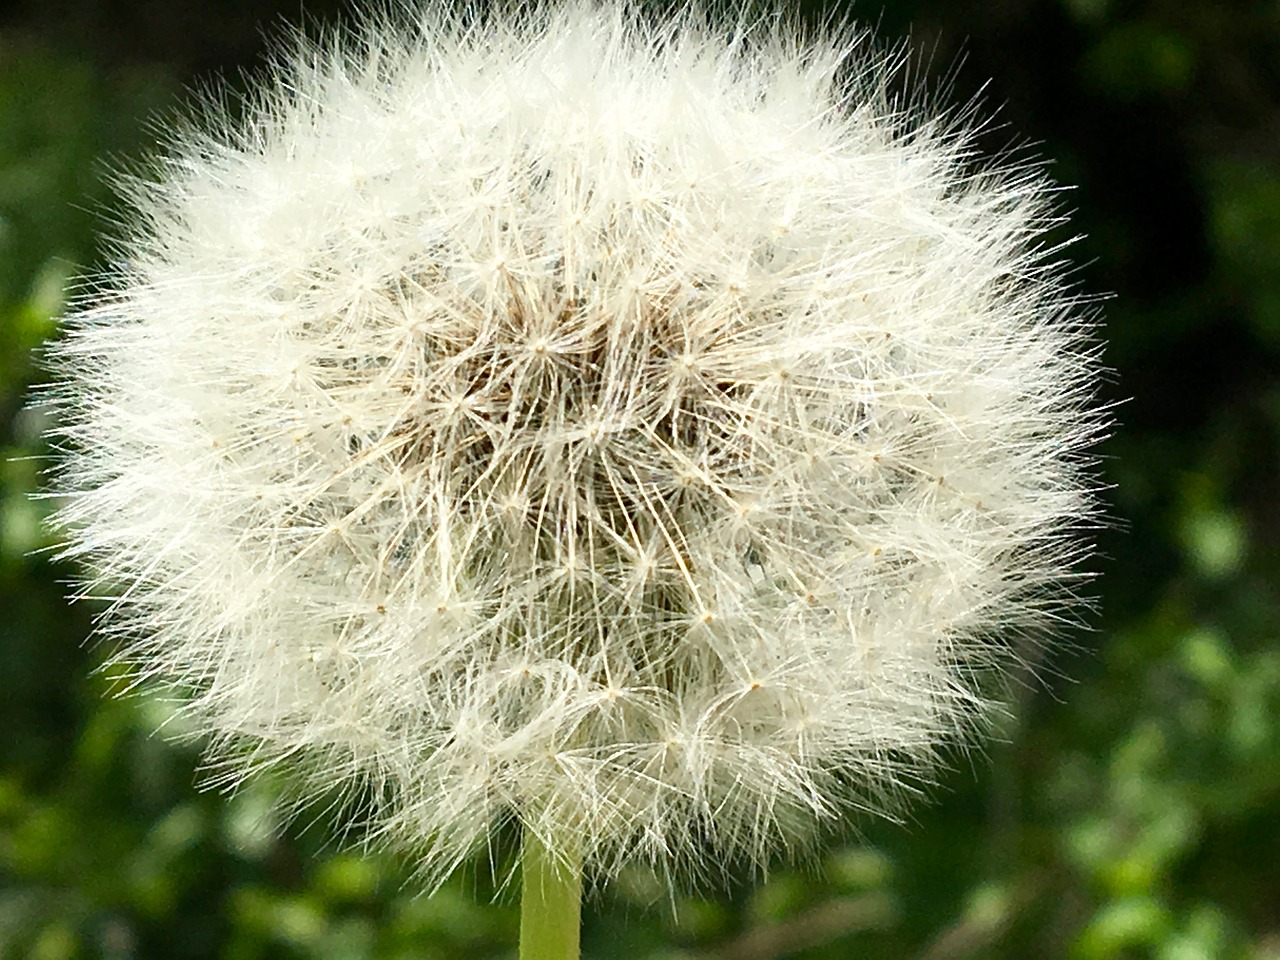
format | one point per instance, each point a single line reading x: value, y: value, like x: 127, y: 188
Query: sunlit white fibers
x: 647, y: 431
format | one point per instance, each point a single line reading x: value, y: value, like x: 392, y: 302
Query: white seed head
x: 648, y: 432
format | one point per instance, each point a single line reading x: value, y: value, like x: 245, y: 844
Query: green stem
x: 550, y: 904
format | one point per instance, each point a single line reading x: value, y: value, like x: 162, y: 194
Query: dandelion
x: 647, y: 432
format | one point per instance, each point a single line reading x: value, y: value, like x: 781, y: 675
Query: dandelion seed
x: 641, y: 430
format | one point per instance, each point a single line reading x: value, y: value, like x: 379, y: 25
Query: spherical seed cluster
x: 640, y: 430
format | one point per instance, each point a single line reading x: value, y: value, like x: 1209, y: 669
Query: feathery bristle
x: 646, y: 432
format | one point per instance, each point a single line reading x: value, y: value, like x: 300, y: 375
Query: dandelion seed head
x: 646, y: 432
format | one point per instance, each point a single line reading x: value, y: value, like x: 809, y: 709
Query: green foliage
x: 1131, y: 812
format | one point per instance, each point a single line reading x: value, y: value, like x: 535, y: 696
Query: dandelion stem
x: 550, y: 904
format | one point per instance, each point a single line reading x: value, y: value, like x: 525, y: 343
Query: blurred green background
x: 1131, y: 807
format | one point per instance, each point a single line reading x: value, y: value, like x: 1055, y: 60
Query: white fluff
x: 644, y: 431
